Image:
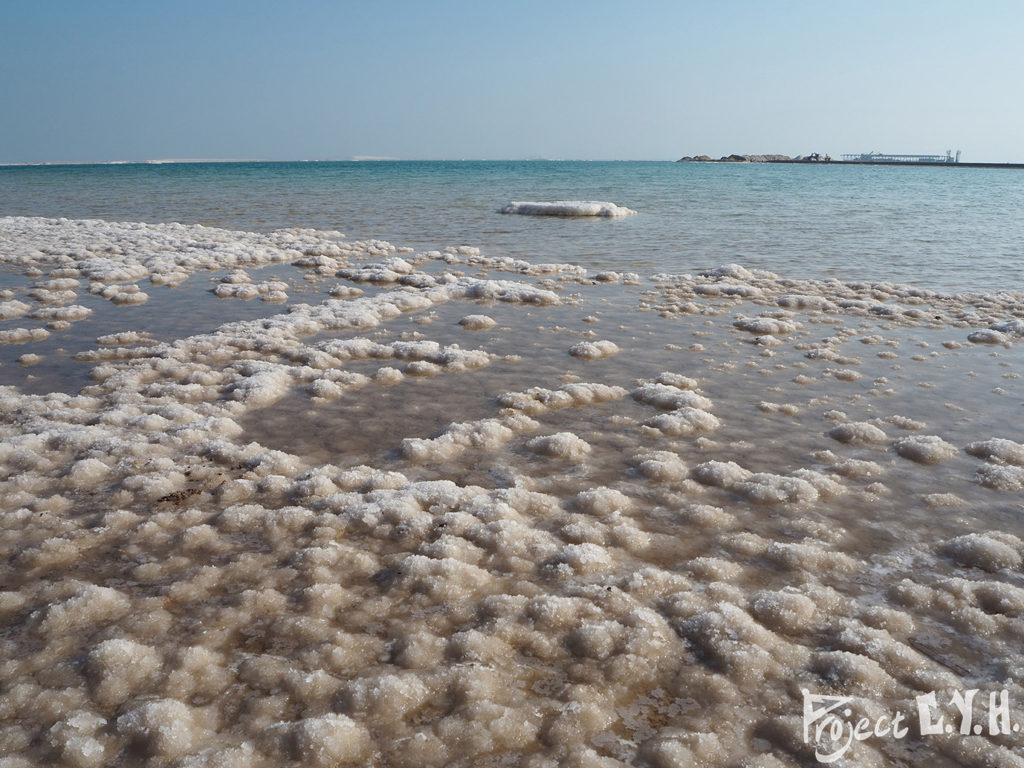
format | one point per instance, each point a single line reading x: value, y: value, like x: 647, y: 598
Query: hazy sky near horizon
x: 450, y: 79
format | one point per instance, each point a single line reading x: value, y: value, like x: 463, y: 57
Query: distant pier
x: 927, y: 163
x: 880, y: 157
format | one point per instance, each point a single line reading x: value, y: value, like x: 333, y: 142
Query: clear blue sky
x: 93, y: 80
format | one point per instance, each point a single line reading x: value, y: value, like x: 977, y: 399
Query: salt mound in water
x: 568, y: 208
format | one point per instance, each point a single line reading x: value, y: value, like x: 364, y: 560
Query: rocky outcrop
x: 812, y: 158
x: 739, y: 159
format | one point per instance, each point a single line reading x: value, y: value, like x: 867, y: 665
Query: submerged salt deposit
x: 568, y: 208
x: 338, y: 528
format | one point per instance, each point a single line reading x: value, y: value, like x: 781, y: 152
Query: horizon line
x: 352, y: 159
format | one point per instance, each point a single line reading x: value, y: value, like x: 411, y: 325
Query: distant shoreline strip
x: 901, y: 163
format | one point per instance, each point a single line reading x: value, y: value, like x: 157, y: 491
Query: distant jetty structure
x: 879, y: 157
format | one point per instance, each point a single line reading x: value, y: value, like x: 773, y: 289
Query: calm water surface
x: 943, y: 228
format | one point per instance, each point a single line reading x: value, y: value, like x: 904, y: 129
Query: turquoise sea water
x: 944, y: 228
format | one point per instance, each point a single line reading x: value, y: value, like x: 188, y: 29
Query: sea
x: 335, y: 463
x: 948, y: 229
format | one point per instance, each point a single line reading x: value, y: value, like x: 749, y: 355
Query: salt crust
x: 661, y: 466
x: 564, y: 445
x: 925, y: 449
x: 683, y: 422
x: 70, y: 314
x: 998, y: 448
x: 269, y: 291
x: 845, y: 374
x: 568, y: 208
x: 1013, y: 327
x: 762, y: 326
x: 124, y: 338
x: 477, y: 322
x: 486, y: 434
x: 594, y: 350
x: 687, y: 410
x: 331, y: 739
x: 905, y: 423
x: 858, y: 432
x: 239, y: 574
x: 1008, y: 478
x: 823, y: 297
x: 988, y: 336
x: 789, y: 409
x: 990, y: 552
x: 23, y: 335
x: 764, y: 487
x: 167, y: 254
x: 538, y: 400
x: 12, y: 310
x: 800, y: 301
x: 1005, y: 468
x: 943, y: 500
